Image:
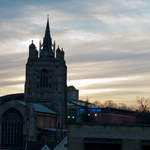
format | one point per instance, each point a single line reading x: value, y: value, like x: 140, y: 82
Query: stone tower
x: 46, y: 74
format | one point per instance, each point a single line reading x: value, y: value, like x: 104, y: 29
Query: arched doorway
x: 12, y: 129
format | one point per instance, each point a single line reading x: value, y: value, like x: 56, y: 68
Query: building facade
x: 72, y: 94
x: 108, y: 137
x: 37, y: 117
x: 46, y: 77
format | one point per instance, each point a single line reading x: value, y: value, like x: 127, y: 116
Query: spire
x: 47, y: 41
x: 47, y: 46
x: 47, y: 31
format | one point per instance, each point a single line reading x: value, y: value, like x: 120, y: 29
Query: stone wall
x: 131, y: 136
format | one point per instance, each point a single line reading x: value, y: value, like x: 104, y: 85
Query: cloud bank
x: 106, y: 43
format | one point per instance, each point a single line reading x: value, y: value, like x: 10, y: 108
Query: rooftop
x: 20, y: 99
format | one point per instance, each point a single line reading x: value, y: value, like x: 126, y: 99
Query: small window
x: 41, y: 94
x: 50, y: 86
x: 44, y: 79
x: 65, y: 145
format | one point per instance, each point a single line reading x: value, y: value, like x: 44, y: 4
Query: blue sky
x: 106, y: 44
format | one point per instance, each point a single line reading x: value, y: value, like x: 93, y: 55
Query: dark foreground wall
x: 108, y: 137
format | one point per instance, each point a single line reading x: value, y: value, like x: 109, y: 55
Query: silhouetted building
x: 37, y: 117
x: 72, y: 94
x: 106, y: 115
x: 83, y: 112
x: 46, y: 73
x: 108, y: 137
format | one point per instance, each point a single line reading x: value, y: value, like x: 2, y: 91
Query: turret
x: 33, y: 53
x: 60, y: 54
x: 54, y: 47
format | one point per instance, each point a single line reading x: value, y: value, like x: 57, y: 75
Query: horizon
x: 106, y: 47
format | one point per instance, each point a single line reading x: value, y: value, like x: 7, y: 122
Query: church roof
x: 62, y: 145
x: 10, y: 97
x: 19, y: 97
x: 39, y: 107
x: 42, y: 108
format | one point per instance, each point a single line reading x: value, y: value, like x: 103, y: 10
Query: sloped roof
x: 45, y: 147
x: 39, y: 107
x: 62, y: 145
x: 19, y: 97
x: 42, y: 108
x: 10, y: 97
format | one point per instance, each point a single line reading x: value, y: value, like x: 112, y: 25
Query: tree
x: 97, y: 103
x: 143, y: 104
x: 123, y: 106
x: 110, y: 103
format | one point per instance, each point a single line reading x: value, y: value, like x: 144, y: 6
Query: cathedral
x: 37, y: 117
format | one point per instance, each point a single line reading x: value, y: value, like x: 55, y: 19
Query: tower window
x: 37, y: 86
x: 44, y: 79
x: 50, y: 86
x: 12, y: 129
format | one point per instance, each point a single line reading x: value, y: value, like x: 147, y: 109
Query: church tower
x: 46, y: 74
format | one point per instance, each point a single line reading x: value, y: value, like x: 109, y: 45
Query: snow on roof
x: 39, y: 107
x: 21, y: 102
x: 42, y: 108
x: 45, y: 147
x: 49, y: 129
x: 54, y: 129
x: 62, y: 145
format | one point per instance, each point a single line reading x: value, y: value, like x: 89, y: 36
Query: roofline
x: 9, y: 97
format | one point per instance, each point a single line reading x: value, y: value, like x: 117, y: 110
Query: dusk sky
x: 106, y: 44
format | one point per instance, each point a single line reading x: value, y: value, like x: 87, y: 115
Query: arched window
x: 12, y: 129
x: 44, y: 79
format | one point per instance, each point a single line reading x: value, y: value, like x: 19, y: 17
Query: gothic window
x: 44, y: 79
x: 58, y: 125
x: 50, y: 124
x: 50, y: 86
x: 56, y: 85
x: 12, y: 129
x: 37, y: 86
x: 41, y: 122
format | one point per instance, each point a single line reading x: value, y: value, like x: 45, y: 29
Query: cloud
x: 102, y: 40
